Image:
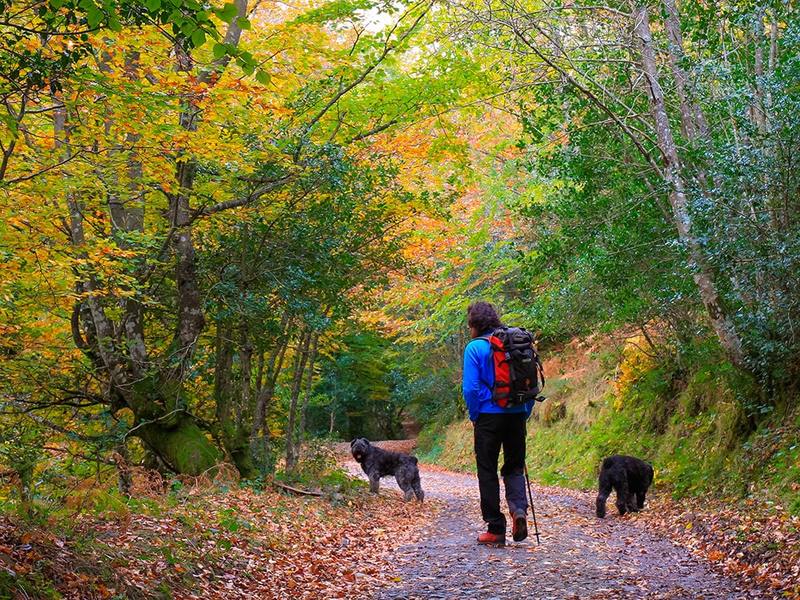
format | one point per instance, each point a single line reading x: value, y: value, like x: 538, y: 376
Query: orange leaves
x: 238, y: 544
x: 746, y: 539
x: 715, y: 555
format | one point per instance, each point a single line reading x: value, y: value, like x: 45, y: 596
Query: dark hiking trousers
x: 493, y: 431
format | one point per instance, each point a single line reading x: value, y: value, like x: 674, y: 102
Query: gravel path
x: 580, y: 556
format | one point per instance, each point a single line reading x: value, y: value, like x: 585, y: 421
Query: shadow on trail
x: 580, y: 556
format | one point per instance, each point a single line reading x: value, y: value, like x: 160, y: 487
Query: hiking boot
x: 488, y: 538
x: 519, y: 527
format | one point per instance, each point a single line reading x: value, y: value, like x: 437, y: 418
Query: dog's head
x: 359, y: 448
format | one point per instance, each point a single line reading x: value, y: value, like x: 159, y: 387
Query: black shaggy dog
x: 378, y: 463
x: 630, y: 477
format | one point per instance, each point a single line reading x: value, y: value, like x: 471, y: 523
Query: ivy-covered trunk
x: 110, y: 328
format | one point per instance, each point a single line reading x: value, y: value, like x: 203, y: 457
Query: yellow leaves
x: 635, y: 362
x: 18, y: 223
x: 102, y: 264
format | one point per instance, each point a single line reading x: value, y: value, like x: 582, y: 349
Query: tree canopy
x: 227, y: 227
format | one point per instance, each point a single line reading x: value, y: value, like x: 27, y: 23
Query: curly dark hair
x: 482, y: 316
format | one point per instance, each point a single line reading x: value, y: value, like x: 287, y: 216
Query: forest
x: 235, y: 234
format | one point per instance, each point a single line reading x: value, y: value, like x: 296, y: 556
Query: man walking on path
x: 494, y: 427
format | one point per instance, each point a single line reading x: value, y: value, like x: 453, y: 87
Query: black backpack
x: 518, y: 372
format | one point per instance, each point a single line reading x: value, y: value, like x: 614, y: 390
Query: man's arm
x: 529, y: 408
x: 471, y: 383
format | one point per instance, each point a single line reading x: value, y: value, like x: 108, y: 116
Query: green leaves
x: 219, y: 50
x: 198, y: 38
x: 263, y: 77
x: 334, y: 11
x: 227, y: 13
x: 94, y: 16
x: 247, y: 62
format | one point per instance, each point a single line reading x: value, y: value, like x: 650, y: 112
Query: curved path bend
x: 580, y: 556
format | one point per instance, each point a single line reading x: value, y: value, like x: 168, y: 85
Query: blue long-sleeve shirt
x: 478, y: 379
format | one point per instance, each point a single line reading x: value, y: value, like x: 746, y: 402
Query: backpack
x: 517, y: 368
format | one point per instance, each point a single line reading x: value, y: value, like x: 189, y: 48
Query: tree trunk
x: 703, y: 276
x: 128, y: 217
x: 265, y: 392
x: 309, y: 382
x: 693, y: 121
x: 232, y: 431
x: 184, y: 447
x: 124, y: 475
x: 118, y: 348
x: 191, y: 319
x: 259, y: 431
x: 299, y: 367
x: 243, y: 457
x: 759, y: 106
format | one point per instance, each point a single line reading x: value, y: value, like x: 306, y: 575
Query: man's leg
x: 487, y: 451
x: 513, y: 470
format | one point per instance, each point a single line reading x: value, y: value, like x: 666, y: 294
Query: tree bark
x: 230, y: 410
x: 703, y: 275
x: 693, y: 122
x: 274, y: 366
x: 184, y: 447
x: 191, y: 319
x: 301, y: 357
x: 309, y: 382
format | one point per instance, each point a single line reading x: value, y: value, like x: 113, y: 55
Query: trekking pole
x: 533, y: 510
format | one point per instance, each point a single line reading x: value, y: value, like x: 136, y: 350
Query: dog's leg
x: 404, y: 485
x: 374, y: 483
x: 640, y: 499
x: 602, y: 496
x: 417, y: 487
x: 622, y: 495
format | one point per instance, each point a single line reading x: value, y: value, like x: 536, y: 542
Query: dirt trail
x: 580, y: 556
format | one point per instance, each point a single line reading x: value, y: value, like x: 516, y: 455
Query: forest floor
x: 223, y: 540
x: 580, y: 556
x: 211, y: 540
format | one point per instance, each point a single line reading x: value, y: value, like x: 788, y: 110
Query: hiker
x: 495, y: 426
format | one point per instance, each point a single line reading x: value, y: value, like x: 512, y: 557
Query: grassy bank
x: 701, y: 424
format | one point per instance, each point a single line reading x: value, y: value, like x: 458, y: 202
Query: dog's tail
x: 414, y: 458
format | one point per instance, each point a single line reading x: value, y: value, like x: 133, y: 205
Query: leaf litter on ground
x: 751, y: 539
x: 212, y: 542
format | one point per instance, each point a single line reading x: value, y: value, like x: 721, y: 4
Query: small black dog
x: 630, y: 477
x: 378, y: 463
